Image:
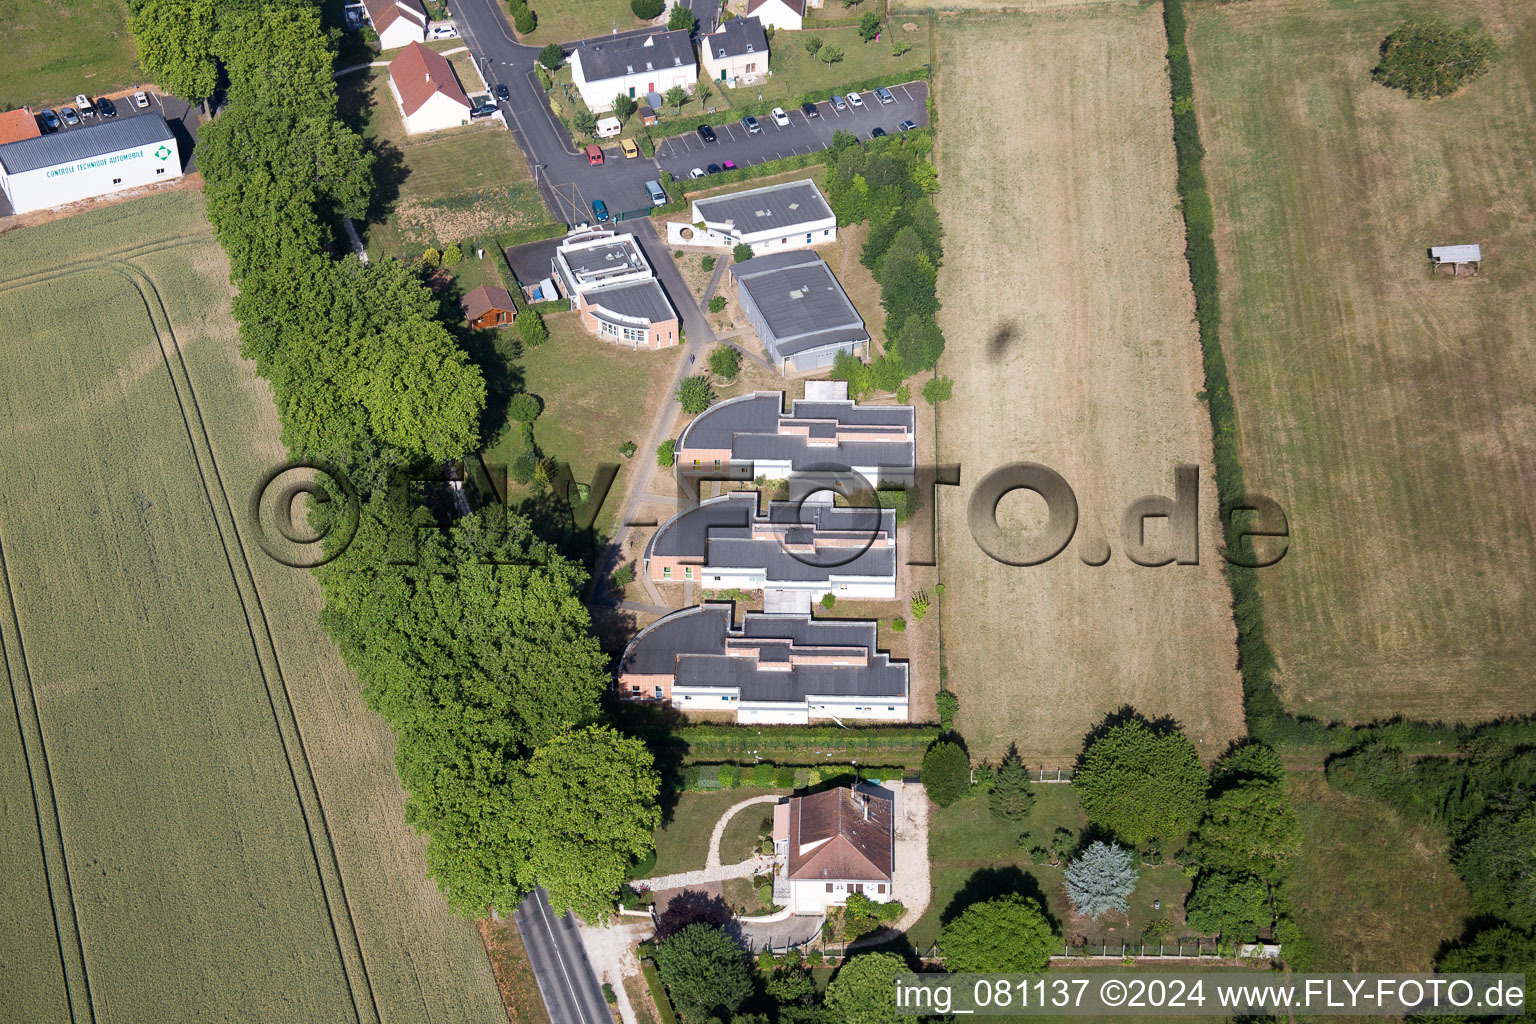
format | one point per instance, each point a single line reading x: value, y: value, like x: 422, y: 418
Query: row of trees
x: 470, y: 641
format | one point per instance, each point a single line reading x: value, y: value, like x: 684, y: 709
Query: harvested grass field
x: 1388, y: 410
x: 1073, y: 346
x: 217, y: 809
x: 56, y: 49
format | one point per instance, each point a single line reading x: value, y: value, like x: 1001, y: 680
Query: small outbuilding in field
x: 1456, y: 257
x: 489, y: 306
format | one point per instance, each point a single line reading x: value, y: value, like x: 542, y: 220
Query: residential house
x: 799, y: 311
x: 606, y: 278
x: 808, y: 548
x: 774, y: 218
x: 424, y: 85
x: 488, y: 306
x: 633, y: 66
x: 771, y: 669
x: 16, y: 125
x: 397, y: 22
x: 822, y: 431
x: 785, y: 15
x: 830, y: 845
x: 736, y: 52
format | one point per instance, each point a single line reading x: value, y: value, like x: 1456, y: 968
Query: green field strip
x: 194, y: 898
x: 42, y: 966
x: 280, y: 699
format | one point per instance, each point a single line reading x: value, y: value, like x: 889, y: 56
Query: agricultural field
x: 1388, y: 410
x: 1072, y: 346
x: 216, y: 800
x: 440, y: 187
x: 54, y: 50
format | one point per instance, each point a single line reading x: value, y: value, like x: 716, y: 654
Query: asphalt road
x: 566, y: 980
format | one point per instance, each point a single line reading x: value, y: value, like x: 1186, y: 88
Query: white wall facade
x: 95, y: 176
x: 779, y: 15
x: 723, y: 698
x: 400, y: 32
x: 598, y: 94
x: 439, y: 112
x: 810, y: 896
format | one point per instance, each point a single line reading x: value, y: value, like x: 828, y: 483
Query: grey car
x: 70, y: 117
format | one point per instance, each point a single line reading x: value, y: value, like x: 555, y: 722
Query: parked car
x: 445, y: 32
x: 907, y: 126
x: 809, y: 110
x: 714, y: 168
x: 107, y: 107
x: 594, y: 154
x: 729, y: 165
x: 656, y: 192
x: 140, y: 100
x: 706, y: 133
x: 696, y: 173
x: 630, y: 149
x: 502, y: 92
x: 884, y: 95
x: 838, y: 103
x: 855, y: 100
x: 485, y: 108
x: 50, y: 119
x: 83, y: 104
x: 877, y: 133
x: 70, y: 117
x: 600, y: 210
x: 750, y: 124
x: 780, y: 118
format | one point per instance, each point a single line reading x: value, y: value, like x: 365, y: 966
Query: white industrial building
x: 774, y: 218
x: 90, y: 161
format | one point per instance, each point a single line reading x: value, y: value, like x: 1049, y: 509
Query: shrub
x: 666, y: 453
x: 523, y: 407
x: 523, y: 467
x: 695, y: 394
x: 1232, y: 905
x: 784, y: 777
x: 453, y: 255
x: 904, y: 395
x: 900, y: 47
x: 899, y: 624
x: 431, y: 257
x: 717, y: 303
x: 647, y: 10
x: 946, y: 772
x: 730, y: 776
x: 628, y: 449
x: 948, y: 706
x: 1011, y: 797
x: 763, y: 775
x: 828, y: 600
x: 1101, y: 879
x: 724, y: 361
x: 552, y: 56
x: 524, y: 20
x: 741, y: 252
x: 1429, y: 58
x: 624, y: 575
x: 919, y: 605
x: 531, y: 328
x: 707, y: 263
x: 940, y: 389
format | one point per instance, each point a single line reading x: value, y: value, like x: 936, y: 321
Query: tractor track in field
x: 285, y: 718
x: 50, y: 833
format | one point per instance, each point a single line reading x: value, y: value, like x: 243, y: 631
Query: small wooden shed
x: 488, y: 306
x: 1456, y: 256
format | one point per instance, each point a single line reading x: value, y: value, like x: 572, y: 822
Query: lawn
x: 56, y: 49
x: 743, y: 831
x: 566, y: 21
x: 596, y: 396
x: 1077, y: 351
x: 975, y: 855
x: 1388, y: 410
x: 1373, y: 892
x: 794, y: 73
x: 441, y: 187
x: 682, y: 844
x: 233, y: 835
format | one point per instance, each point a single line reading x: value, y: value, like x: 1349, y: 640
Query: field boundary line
x: 327, y: 864
x: 131, y: 252
x: 50, y: 834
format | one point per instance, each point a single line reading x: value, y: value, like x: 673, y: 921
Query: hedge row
x: 714, y: 740
x: 766, y: 775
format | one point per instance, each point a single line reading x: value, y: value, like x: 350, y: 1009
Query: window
x: 807, y: 238
x: 829, y: 887
x: 666, y: 572
x: 159, y: 170
x: 658, y: 691
x: 726, y: 697
x: 631, y: 92
x: 856, y: 887
x: 117, y: 181
x: 751, y: 69
x: 880, y: 889
x: 717, y: 463
x: 687, y: 572
x: 635, y: 688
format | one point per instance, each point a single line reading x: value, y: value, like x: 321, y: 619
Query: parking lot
x: 182, y: 118
x: 681, y: 153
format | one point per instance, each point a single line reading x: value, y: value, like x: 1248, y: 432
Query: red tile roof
x: 419, y: 74
x: 16, y: 125
x: 852, y: 832
x: 384, y: 13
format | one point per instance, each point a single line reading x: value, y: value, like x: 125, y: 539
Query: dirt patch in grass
x: 514, y: 973
x: 1387, y: 409
x: 1075, y: 348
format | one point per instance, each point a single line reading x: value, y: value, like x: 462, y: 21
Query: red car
x: 594, y: 154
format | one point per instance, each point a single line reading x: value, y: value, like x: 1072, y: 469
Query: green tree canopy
x: 1250, y: 762
x: 1008, y: 934
x: 1249, y: 828
x: 830, y: 54
x: 584, y: 121
x: 175, y: 42
x: 647, y: 10
x: 741, y: 252
x: 863, y: 991
x: 675, y: 97
x: 695, y: 394
x: 1234, y: 905
x: 725, y: 362
x: 1498, y: 862
x: 681, y: 18
x: 1011, y: 798
x: 1495, y: 949
x: 552, y: 56
x: 523, y: 407
x: 666, y: 453
x: 869, y: 26
x: 705, y: 972
x: 1101, y: 879
x: 1141, y: 783
x: 939, y: 389
x: 1428, y: 58
x: 946, y: 772
x: 586, y: 801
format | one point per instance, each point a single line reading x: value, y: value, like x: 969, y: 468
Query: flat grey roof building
x: 66, y: 147
x: 799, y: 310
x: 643, y: 301
x: 772, y: 209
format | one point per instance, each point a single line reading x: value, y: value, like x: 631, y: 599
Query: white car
x: 780, y: 118
x: 855, y: 100
x: 696, y: 173
x: 140, y: 100
x: 83, y: 104
x: 445, y: 32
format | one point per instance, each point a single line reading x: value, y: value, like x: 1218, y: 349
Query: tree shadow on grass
x: 990, y: 883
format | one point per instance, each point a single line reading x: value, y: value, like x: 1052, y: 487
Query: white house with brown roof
x: 427, y: 91
x: 397, y: 22
x: 780, y: 14
x: 832, y: 844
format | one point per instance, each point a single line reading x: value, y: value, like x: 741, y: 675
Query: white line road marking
x: 555, y: 946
